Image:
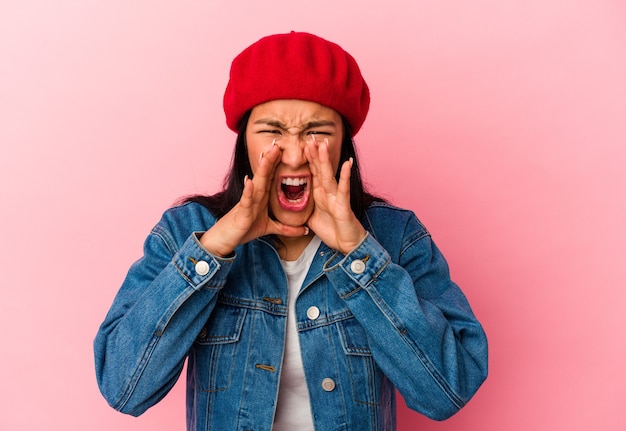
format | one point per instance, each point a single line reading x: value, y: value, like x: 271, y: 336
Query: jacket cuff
x: 357, y: 269
x: 199, y: 267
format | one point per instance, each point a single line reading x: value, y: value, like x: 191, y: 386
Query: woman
x: 299, y: 300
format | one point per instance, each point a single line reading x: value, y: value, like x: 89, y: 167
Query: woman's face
x: 291, y: 123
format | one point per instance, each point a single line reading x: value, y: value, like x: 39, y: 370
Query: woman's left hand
x: 332, y: 219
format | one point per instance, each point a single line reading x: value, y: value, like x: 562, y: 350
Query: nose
x: 292, y: 147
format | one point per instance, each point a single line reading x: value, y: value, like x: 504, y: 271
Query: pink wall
x: 502, y: 123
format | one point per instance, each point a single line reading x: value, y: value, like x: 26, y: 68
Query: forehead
x: 294, y: 113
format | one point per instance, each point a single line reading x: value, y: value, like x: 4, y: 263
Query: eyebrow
x: 305, y: 126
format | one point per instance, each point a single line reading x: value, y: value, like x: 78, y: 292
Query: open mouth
x: 293, y: 193
x: 293, y: 188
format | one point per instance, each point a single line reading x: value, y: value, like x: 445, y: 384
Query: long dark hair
x: 232, y: 188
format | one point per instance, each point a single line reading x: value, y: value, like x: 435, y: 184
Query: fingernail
x: 245, y: 179
x: 274, y: 142
x: 306, y: 230
x: 351, y: 161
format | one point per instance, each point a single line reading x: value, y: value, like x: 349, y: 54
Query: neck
x: 290, y: 248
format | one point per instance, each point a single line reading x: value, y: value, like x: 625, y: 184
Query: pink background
x: 502, y: 123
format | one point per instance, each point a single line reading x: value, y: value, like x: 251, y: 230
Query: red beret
x: 296, y: 66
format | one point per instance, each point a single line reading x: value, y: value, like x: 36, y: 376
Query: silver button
x: 313, y: 312
x: 202, y: 268
x: 328, y: 384
x: 357, y: 266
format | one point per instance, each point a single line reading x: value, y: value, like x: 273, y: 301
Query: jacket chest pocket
x: 365, y: 375
x: 215, y: 348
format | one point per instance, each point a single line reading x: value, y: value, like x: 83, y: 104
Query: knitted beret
x: 296, y: 66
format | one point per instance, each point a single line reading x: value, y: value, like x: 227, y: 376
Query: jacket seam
x: 168, y: 241
x: 423, y: 358
x: 133, y: 381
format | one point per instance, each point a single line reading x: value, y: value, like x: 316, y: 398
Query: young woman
x: 299, y: 300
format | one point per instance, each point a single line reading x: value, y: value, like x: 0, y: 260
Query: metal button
x: 202, y: 267
x: 357, y: 266
x: 328, y: 384
x: 313, y: 312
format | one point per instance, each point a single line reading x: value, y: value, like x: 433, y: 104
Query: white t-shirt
x: 293, y: 411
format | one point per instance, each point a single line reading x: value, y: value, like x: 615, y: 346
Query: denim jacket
x: 385, y: 316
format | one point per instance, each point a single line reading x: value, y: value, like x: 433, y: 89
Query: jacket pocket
x: 215, y: 348
x: 365, y: 376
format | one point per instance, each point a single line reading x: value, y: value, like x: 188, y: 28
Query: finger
x: 277, y: 228
x: 241, y: 216
x: 343, y: 188
x: 247, y: 209
x: 272, y: 154
x: 264, y: 174
x: 326, y: 172
x: 247, y: 195
x: 312, y: 155
x: 269, y: 148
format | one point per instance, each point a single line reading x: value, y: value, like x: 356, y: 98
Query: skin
x: 291, y: 139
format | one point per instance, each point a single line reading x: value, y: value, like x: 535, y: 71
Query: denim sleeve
x: 165, y: 299
x: 421, y: 330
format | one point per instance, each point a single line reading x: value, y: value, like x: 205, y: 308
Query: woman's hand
x: 332, y: 219
x: 249, y: 219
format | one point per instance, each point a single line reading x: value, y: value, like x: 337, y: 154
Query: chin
x: 292, y: 218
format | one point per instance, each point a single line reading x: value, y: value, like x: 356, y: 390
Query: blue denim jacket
x: 389, y: 317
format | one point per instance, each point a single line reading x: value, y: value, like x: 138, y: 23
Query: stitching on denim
x: 214, y: 371
x: 324, y: 321
x: 133, y: 381
x: 360, y: 357
x: 244, y: 383
x: 347, y: 295
x: 412, y: 238
x: 268, y: 307
x: 371, y: 226
x: 349, y: 349
x: 436, y: 375
x: 167, y: 239
x: 232, y: 337
x: 426, y: 362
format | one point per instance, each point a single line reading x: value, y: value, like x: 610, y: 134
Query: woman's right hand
x: 250, y: 219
